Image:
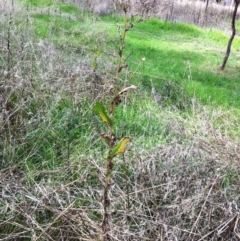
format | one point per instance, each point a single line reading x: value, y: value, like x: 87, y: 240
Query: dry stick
x: 149, y: 188
x: 194, y: 225
x: 55, y: 210
x: 205, y: 236
x: 127, y: 183
x: 227, y: 226
x: 9, y: 53
x: 230, y: 222
x: 30, y: 218
x: 120, y: 54
x: 50, y: 224
x: 206, y: 8
x: 235, y: 227
x: 159, y: 223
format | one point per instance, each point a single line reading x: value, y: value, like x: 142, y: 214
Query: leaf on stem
x: 94, y: 65
x: 97, y: 54
x: 98, y: 107
x: 116, y: 101
x: 120, y: 147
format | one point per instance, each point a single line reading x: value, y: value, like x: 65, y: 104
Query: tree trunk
x: 237, y: 2
x: 205, y: 12
x: 206, y: 6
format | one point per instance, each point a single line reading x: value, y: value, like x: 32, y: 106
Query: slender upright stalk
x: 110, y: 138
x: 106, y: 200
x: 120, y: 54
x: 237, y: 2
x: 9, y: 53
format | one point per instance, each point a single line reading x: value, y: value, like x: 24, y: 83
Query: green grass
x: 55, y: 26
x: 185, y: 54
x: 177, y: 52
x: 67, y: 8
x: 52, y: 158
x: 156, y: 26
x: 57, y: 6
x: 38, y: 3
x: 181, y: 61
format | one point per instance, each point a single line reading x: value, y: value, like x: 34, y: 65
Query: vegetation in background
x: 179, y: 178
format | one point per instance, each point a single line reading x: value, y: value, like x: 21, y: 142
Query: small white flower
x: 143, y: 59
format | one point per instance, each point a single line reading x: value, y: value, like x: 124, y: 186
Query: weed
x: 110, y: 138
x: 180, y: 173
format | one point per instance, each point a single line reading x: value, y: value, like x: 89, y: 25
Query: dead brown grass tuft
x: 184, y: 189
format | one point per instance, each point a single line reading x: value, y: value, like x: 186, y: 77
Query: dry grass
x: 184, y: 188
x: 194, y: 12
x: 190, y: 12
x: 174, y: 10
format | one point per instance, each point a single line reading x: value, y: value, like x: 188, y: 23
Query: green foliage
x: 54, y: 26
x: 139, y: 119
x: 120, y: 147
x: 217, y: 36
x: 68, y: 8
x: 181, y: 58
x: 38, y: 3
x: 98, y: 107
x: 58, y: 6
x: 185, y: 59
x: 231, y: 178
x: 222, y: 39
x: 52, y: 136
x: 175, y: 51
x: 49, y: 143
x: 154, y: 25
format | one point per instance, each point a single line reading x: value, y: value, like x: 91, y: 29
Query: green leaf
x: 120, y: 147
x: 98, y: 107
x: 97, y: 54
x: 94, y: 65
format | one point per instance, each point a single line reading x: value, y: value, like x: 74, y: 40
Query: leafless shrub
x: 172, y: 10
x: 102, y: 9
x: 195, y: 12
x: 154, y: 7
x: 188, y: 11
x: 96, y: 6
x: 6, y: 6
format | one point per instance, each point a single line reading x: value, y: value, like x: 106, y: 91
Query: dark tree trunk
x: 206, y: 6
x: 237, y: 2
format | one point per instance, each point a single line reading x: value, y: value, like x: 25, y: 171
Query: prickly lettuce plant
x: 115, y: 148
x: 107, y: 115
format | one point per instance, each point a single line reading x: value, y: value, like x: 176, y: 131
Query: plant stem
x: 106, y: 200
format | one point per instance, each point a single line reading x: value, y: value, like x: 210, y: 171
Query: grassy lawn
x: 176, y: 52
x: 189, y: 56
